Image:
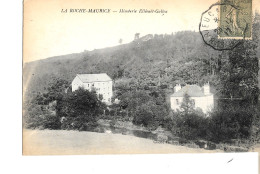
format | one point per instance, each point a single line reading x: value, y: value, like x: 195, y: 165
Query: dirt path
x: 60, y: 142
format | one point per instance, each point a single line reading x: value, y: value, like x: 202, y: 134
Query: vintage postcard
x: 141, y: 77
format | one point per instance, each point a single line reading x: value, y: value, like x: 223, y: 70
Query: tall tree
x: 82, y: 108
x: 243, y: 73
x: 187, y: 105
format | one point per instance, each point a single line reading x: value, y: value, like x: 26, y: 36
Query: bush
x: 78, y: 110
x: 221, y: 126
x: 190, y: 126
x: 39, y: 116
x: 230, y: 124
x: 167, y: 123
x: 255, y: 129
x: 51, y: 122
x: 143, y: 116
x: 112, y: 123
x: 81, y: 110
x: 150, y: 115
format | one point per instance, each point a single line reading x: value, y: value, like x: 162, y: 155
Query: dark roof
x: 191, y: 90
x: 86, y: 78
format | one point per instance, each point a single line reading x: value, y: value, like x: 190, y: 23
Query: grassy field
x: 61, y: 142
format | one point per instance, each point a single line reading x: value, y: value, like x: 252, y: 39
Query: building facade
x: 200, y: 96
x: 101, y: 83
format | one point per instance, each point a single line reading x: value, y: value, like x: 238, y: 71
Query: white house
x: 101, y: 83
x: 201, y: 97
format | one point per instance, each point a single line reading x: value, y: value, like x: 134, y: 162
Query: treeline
x: 223, y: 124
x: 180, y: 58
x: 80, y: 110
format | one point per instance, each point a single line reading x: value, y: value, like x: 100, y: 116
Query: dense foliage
x: 60, y: 108
x: 80, y: 110
x: 223, y: 125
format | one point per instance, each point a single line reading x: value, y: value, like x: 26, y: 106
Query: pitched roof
x: 86, y: 78
x: 191, y: 90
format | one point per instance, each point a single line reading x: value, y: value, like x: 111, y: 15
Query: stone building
x: 101, y: 83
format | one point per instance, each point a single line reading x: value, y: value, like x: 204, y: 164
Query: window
x: 177, y: 101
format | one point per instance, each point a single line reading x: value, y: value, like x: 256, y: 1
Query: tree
x: 239, y: 73
x: 144, y: 115
x: 187, y: 105
x: 81, y: 109
x: 43, y: 111
x: 230, y: 123
x: 56, y: 89
x: 150, y: 115
x: 190, y: 126
x: 131, y: 100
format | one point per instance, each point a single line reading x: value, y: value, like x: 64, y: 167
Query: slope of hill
x: 161, y: 61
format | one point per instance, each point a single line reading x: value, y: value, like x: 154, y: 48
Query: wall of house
x: 103, y: 88
x: 205, y: 103
x: 76, y: 83
x: 174, y: 104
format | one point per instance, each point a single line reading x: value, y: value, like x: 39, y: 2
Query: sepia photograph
x: 140, y: 77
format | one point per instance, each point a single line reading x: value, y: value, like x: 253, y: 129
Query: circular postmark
x: 224, y: 26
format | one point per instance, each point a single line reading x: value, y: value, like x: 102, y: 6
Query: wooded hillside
x: 160, y: 62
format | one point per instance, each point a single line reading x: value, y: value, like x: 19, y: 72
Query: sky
x: 48, y: 32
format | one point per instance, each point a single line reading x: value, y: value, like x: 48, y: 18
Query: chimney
x: 206, y: 89
x: 177, y: 87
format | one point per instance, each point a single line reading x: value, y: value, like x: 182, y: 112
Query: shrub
x: 190, y: 126
x: 112, y: 123
x: 81, y: 110
x: 143, y: 116
x: 222, y: 126
x: 51, y: 122
x: 230, y: 124
x: 39, y: 116
x: 150, y: 115
x: 78, y: 110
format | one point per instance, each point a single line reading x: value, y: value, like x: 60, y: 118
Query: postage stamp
x: 210, y: 30
x: 235, y: 19
x: 226, y: 24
